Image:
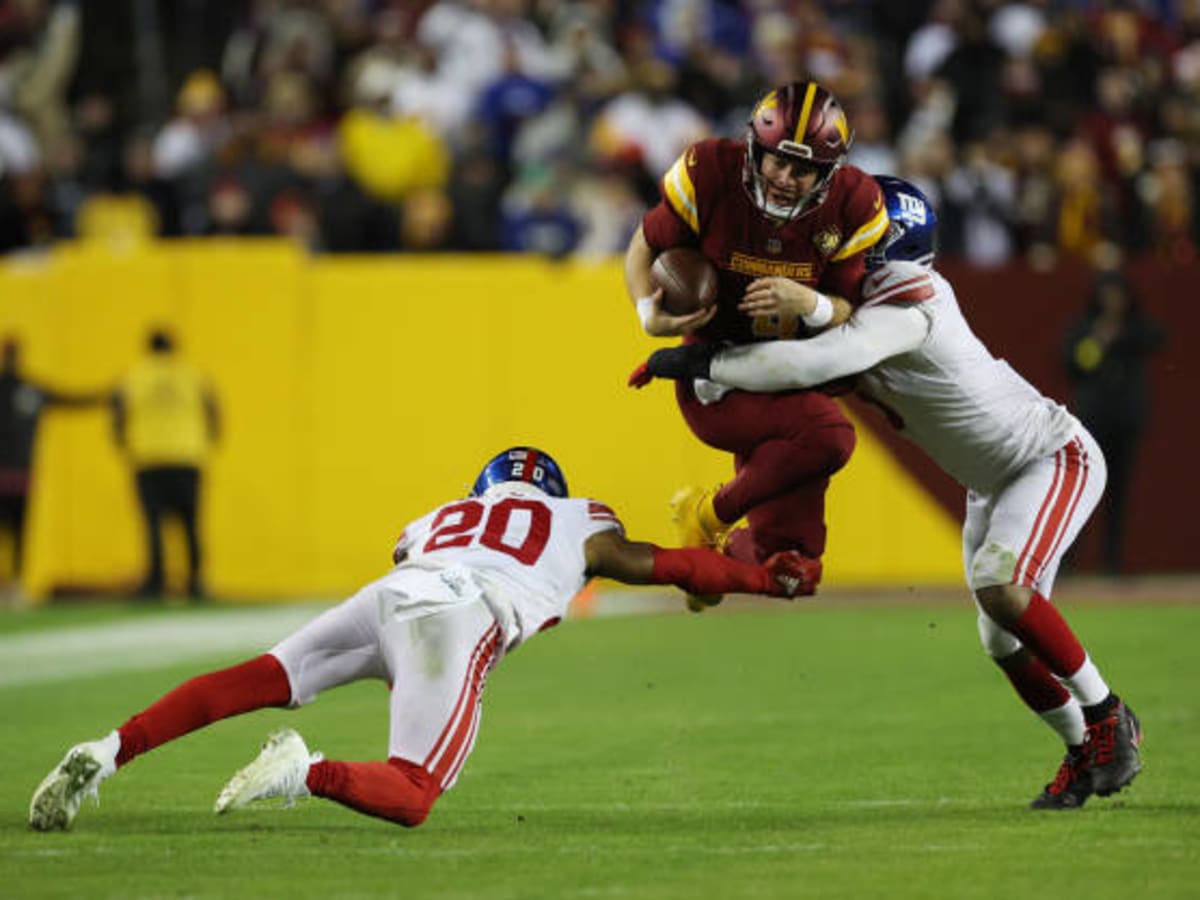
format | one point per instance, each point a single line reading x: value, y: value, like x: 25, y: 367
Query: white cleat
x: 57, y: 799
x: 279, y: 771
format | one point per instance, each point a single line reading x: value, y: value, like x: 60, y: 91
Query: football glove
x: 796, y: 574
x: 684, y: 361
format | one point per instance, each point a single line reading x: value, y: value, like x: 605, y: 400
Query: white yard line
x: 68, y: 653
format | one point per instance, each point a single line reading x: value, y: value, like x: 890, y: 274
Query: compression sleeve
x: 701, y: 571
x: 872, y: 334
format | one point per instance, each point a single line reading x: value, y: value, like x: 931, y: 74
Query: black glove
x: 684, y: 361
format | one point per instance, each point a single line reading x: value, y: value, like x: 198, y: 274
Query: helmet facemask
x: 756, y: 182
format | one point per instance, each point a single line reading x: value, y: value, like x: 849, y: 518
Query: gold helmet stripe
x: 805, y: 111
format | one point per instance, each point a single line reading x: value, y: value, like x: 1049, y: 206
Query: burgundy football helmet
x: 800, y: 120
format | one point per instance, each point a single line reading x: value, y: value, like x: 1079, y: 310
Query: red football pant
x: 786, y: 446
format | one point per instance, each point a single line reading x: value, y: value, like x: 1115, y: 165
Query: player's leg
x: 337, y: 647
x: 439, y: 664
x: 1033, y: 682
x: 783, y: 443
x: 1045, y: 696
x: 1030, y: 525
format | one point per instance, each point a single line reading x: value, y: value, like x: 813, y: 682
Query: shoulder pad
x: 690, y: 178
x: 899, y: 282
x: 864, y: 213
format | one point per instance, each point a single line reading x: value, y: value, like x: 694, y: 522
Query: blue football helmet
x: 527, y: 464
x: 912, y: 234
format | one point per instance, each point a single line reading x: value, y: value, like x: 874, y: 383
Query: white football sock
x: 1067, y: 722
x: 1085, y: 684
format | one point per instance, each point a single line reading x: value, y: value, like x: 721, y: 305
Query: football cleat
x: 1071, y: 787
x: 1111, y: 750
x: 57, y: 799
x: 696, y: 521
x: 701, y: 602
x: 280, y: 770
x: 697, y: 525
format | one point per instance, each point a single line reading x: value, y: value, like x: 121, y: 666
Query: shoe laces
x: 1067, y: 774
x: 1101, y: 741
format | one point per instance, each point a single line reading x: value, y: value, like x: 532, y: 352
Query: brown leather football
x: 688, y: 280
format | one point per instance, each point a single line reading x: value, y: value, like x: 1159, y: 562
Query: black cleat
x: 1071, y: 786
x: 1111, y: 750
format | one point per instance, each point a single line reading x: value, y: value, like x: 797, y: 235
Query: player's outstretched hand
x: 684, y: 361
x: 796, y: 574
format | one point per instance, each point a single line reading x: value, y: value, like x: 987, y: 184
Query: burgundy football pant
x: 785, y: 447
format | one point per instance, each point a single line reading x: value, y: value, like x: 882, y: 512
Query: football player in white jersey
x: 1033, y: 475
x: 472, y: 580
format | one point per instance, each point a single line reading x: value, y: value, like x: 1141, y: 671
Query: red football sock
x: 256, y: 684
x: 1036, y: 685
x: 1048, y: 636
x: 397, y: 790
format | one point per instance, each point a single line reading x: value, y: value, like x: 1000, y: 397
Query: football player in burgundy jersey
x: 1032, y: 472
x: 473, y: 580
x: 787, y: 224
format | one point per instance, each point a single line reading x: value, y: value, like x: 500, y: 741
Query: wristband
x: 822, y: 313
x: 645, y: 309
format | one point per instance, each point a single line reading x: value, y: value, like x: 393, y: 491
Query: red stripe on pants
x: 449, y: 763
x: 1052, y: 516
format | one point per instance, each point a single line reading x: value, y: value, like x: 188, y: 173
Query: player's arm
x: 697, y: 570
x: 873, y: 334
x: 777, y: 296
x: 647, y: 298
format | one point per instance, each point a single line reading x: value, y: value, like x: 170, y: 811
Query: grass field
x: 795, y: 752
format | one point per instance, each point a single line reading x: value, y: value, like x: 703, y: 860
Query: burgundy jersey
x: 706, y: 204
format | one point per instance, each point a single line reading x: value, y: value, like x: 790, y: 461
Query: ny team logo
x: 912, y: 210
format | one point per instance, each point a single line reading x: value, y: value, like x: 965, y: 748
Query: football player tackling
x: 787, y: 224
x: 1033, y: 475
x: 473, y: 580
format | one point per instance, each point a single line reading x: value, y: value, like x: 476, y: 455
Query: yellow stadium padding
x: 358, y: 392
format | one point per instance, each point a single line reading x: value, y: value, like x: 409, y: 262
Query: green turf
x: 811, y: 752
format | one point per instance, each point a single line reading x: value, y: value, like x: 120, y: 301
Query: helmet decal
x: 912, y: 232
x: 805, y: 113
x: 526, y: 465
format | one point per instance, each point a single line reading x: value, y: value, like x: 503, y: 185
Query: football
x: 688, y: 280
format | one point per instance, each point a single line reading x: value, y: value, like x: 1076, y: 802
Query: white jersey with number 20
x: 520, y: 549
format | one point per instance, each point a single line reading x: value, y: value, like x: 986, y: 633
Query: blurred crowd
x: 1041, y: 128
